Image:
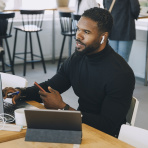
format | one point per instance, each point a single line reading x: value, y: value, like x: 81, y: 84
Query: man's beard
x: 88, y: 50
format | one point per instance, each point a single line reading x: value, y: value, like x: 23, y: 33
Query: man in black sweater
x: 101, y: 79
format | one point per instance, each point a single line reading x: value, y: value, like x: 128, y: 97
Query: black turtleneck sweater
x: 104, y: 84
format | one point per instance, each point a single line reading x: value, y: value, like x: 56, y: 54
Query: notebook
x: 9, y: 108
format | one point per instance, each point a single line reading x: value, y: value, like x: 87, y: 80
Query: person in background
x: 82, y: 5
x: 102, y: 80
x: 2, y: 7
x: 124, y: 13
x: 3, y: 26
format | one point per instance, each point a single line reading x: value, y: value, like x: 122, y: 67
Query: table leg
x: 53, y: 37
x: 146, y: 65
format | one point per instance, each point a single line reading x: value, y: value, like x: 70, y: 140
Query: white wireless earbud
x: 102, y: 41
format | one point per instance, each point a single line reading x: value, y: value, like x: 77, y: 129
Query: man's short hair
x: 102, y: 17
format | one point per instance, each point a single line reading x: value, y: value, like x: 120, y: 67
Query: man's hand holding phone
x: 39, y: 87
x: 52, y: 99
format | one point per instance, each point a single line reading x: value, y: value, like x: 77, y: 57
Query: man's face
x: 87, y: 36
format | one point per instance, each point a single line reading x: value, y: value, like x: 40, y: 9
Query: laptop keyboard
x: 9, y: 108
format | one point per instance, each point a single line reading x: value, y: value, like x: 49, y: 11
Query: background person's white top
x: 85, y: 4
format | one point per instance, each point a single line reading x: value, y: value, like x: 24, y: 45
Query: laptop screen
x: 56, y: 126
x: 53, y: 119
x: 1, y: 97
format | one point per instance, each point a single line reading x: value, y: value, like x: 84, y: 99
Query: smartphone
x: 39, y: 87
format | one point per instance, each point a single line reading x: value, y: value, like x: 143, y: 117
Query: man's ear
x: 104, y: 37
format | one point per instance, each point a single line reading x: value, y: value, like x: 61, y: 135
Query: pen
x: 14, y: 93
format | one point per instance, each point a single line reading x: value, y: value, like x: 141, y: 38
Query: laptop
x: 9, y: 108
x: 58, y: 126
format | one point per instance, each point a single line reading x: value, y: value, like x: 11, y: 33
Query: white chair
x: 131, y: 115
x: 134, y: 136
x: 9, y: 80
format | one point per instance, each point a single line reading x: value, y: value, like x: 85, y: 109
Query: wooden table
x: 91, y: 138
x: 11, y: 135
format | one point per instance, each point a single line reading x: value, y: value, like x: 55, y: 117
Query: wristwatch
x: 66, y: 107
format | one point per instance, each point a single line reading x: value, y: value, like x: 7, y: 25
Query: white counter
x: 138, y: 54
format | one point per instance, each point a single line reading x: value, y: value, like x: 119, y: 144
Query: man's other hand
x: 8, y: 90
x: 52, y: 100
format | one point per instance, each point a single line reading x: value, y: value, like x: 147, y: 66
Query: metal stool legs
x: 43, y: 62
x: 9, y: 56
x: 14, y: 47
x: 61, y: 52
x: 70, y: 45
x: 25, y: 54
x: 62, y: 48
x: 31, y: 51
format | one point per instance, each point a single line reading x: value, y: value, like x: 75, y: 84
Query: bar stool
x: 67, y: 29
x: 75, y: 18
x: 31, y: 23
x: 5, y: 32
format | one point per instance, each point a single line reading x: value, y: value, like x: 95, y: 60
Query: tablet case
x: 54, y: 126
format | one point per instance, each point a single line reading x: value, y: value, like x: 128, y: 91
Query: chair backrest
x: 134, y: 136
x: 66, y: 23
x: 75, y: 18
x: 131, y: 115
x: 32, y: 20
x: 5, y: 29
x: 9, y: 80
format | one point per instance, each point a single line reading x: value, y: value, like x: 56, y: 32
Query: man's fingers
x: 13, y: 100
x: 8, y: 90
x: 51, y: 90
x: 42, y: 93
x: 6, y: 94
x: 5, y: 97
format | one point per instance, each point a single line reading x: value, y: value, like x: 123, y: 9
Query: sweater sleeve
x: 60, y: 82
x: 114, y: 107
x: 135, y: 8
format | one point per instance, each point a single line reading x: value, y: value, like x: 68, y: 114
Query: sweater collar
x: 100, y: 54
